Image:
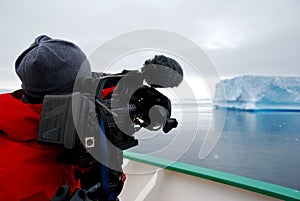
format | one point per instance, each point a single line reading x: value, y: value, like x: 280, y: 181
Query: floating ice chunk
x: 259, y: 93
x: 216, y: 156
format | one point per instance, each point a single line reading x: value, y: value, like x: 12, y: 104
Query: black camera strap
x: 104, y: 156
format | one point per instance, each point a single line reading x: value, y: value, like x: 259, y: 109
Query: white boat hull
x: 148, y: 179
x: 163, y: 184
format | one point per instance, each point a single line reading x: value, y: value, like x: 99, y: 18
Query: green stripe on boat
x: 257, y: 186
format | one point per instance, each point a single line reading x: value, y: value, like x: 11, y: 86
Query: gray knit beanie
x: 50, y: 66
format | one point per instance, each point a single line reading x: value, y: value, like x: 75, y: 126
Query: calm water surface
x: 263, y: 145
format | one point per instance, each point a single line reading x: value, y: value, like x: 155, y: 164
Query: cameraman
x: 28, y: 170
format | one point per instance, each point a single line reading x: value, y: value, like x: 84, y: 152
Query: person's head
x: 50, y: 66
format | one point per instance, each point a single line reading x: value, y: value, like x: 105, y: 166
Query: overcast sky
x: 241, y: 37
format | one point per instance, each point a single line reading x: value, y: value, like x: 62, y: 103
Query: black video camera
x: 124, y: 104
x: 98, y: 120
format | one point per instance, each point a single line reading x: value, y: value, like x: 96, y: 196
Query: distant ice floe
x: 2, y: 91
x: 258, y: 93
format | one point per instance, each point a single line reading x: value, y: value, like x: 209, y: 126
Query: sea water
x: 263, y: 145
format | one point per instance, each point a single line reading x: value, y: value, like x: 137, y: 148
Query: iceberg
x: 258, y: 93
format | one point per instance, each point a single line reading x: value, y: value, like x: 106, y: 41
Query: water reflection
x: 259, y: 145
x: 262, y: 121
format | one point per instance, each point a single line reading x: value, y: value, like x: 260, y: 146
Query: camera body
x: 121, y: 104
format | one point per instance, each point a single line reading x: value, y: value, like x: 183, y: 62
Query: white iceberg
x: 258, y: 93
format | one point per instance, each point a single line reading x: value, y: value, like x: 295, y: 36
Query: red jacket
x: 26, y: 167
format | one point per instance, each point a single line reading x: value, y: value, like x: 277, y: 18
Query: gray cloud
x: 242, y: 37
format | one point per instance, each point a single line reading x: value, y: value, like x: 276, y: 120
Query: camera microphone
x: 162, y: 72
